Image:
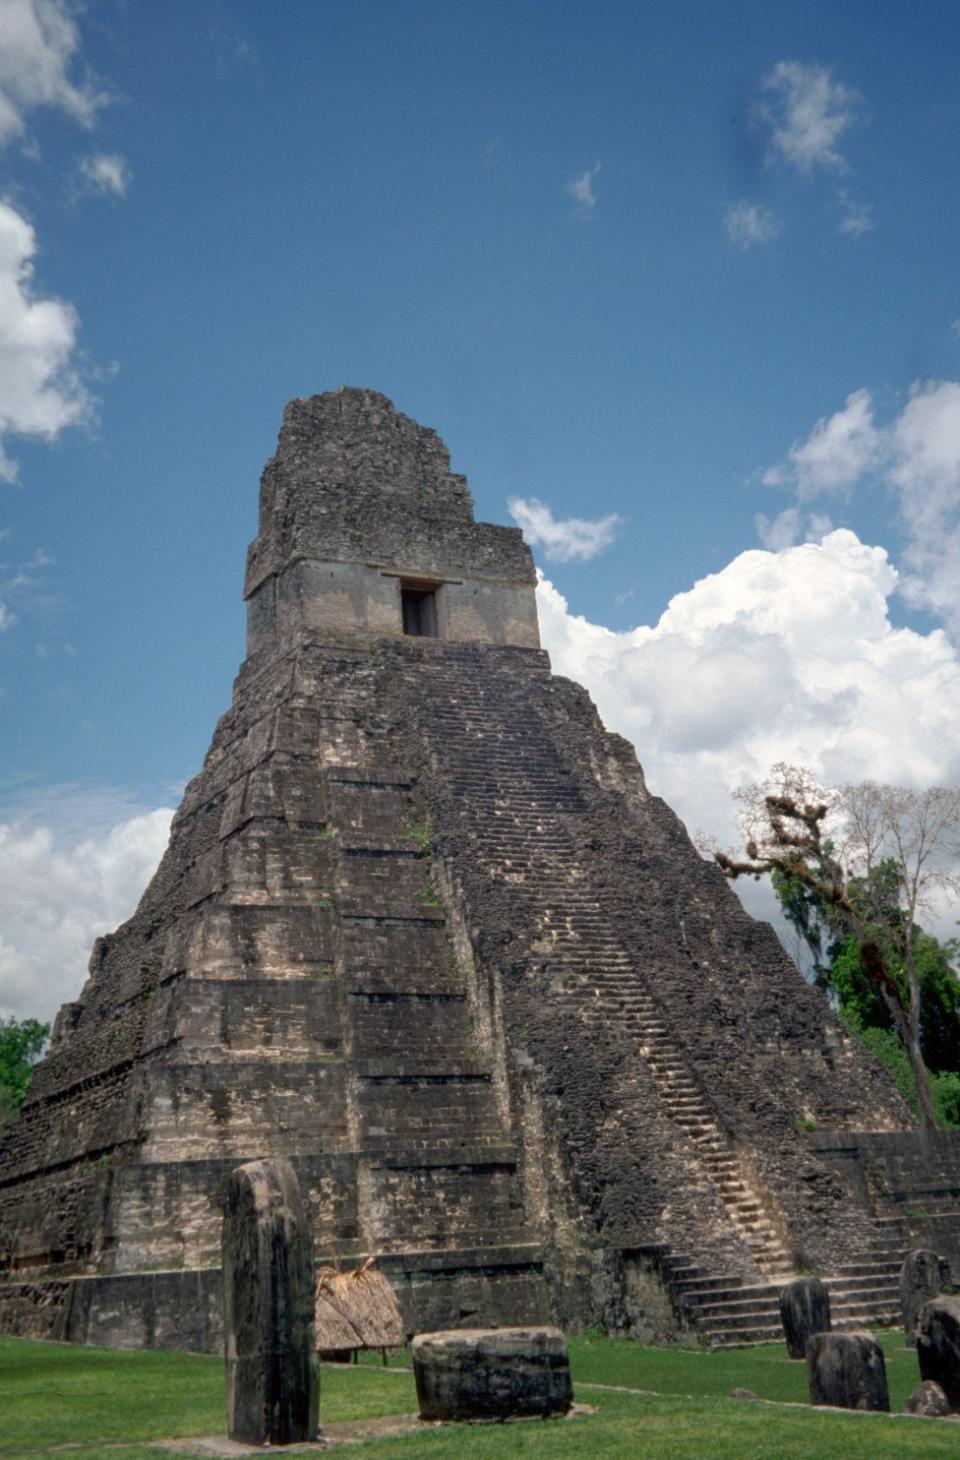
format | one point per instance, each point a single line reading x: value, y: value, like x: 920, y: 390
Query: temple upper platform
x: 364, y: 529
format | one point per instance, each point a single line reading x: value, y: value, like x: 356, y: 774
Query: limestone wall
x: 912, y: 1176
x: 343, y: 597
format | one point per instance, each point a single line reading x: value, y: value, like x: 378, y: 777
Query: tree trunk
x: 921, y: 1074
x: 906, y: 1018
x: 928, y: 1114
x: 906, y: 1022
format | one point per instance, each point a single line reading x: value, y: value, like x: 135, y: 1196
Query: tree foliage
x: 21, y: 1045
x: 853, y: 867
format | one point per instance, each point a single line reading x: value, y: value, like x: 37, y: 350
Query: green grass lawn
x: 108, y: 1405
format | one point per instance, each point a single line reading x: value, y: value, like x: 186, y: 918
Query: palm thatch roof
x: 357, y: 1310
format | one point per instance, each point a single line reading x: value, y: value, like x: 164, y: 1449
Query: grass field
x: 84, y: 1404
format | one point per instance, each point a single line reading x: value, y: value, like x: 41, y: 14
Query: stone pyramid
x: 422, y: 928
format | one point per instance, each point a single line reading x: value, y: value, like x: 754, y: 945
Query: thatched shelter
x: 356, y: 1310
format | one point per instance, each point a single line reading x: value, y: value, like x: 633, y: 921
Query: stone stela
x: 268, y: 1306
x: 423, y: 931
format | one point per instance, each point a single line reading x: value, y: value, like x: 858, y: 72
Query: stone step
x: 715, y: 1283
x: 872, y: 1321
x: 714, y: 1314
x: 745, y: 1337
x: 866, y: 1268
x: 866, y: 1282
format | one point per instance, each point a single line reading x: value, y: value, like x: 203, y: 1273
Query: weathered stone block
x: 268, y: 1293
x: 804, y: 1310
x: 928, y: 1399
x: 938, y: 1345
x: 492, y: 1373
x: 923, y: 1276
x: 847, y: 1371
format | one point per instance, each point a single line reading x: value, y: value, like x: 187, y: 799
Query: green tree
x: 855, y: 865
x: 838, y: 968
x: 21, y: 1045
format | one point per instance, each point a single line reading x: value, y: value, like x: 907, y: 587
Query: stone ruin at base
x: 422, y: 929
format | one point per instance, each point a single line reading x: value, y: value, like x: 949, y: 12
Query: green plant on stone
x: 325, y: 834
x: 428, y: 897
x: 418, y: 830
x: 449, y: 966
x: 327, y: 901
x: 805, y: 1124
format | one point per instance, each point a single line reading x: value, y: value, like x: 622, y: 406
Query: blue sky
x: 686, y: 271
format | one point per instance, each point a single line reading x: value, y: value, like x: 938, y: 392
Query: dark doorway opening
x: 419, y: 606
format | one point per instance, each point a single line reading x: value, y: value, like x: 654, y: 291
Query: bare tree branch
x: 833, y: 841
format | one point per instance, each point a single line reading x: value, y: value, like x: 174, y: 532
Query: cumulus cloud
x: 748, y: 224
x: 581, y: 190
x: 786, y: 655
x: 38, y: 52
x: 40, y: 392
x: 807, y: 114
x: 71, y: 869
x: 917, y: 455
x: 574, y: 539
x: 105, y: 172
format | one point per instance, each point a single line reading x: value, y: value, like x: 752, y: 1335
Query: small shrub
x: 418, y: 830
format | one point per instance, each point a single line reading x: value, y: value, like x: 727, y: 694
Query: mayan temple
x: 422, y: 928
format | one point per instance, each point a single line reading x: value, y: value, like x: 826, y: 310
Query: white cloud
x: 839, y: 449
x: 781, y: 656
x: 21, y: 580
x: 106, y: 172
x: 955, y: 329
x: 572, y: 540
x: 918, y: 456
x: 69, y: 872
x: 781, y: 531
x: 791, y: 526
x: 750, y: 223
x: 40, y: 393
x: 581, y: 190
x: 819, y: 525
x: 807, y: 115
x: 925, y: 471
x: 856, y: 219
x: 38, y: 50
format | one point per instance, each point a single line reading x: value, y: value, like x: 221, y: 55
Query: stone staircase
x: 732, y: 1312
x: 527, y: 822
